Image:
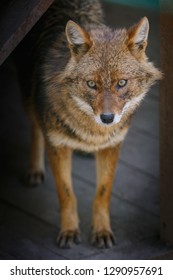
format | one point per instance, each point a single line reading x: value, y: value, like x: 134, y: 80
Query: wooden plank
x: 16, y: 19
x: 6, y: 256
x: 146, y: 119
x: 166, y: 256
x: 145, y: 249
x: 22, y: 248
x: 141, y: 151
x: 166, y: 123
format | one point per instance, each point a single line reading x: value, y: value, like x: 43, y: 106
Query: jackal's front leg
x: 60, y: 160
x: 106, y: 161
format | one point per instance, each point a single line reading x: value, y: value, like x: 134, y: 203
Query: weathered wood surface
x: 166, y: 122
x: 17, y: 17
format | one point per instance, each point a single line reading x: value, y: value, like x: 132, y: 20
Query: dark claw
x: 35, y: 178
x: 67, y: 239
x: 103, y: 239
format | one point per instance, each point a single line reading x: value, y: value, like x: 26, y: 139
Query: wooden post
x: 17, y: 17
x: 166, y: 121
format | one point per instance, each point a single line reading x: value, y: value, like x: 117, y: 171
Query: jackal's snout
x: 107, y: 118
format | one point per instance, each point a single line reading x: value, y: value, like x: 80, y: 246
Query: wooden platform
x: 29, y: 217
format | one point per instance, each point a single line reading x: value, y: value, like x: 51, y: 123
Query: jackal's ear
x: 78, y: 39
x: 137, y: 38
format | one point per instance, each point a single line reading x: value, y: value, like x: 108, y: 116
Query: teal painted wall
x: 151, y: 4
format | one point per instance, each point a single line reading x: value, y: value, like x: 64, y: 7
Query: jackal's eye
x: 91, y: 84
x: 121, y: 83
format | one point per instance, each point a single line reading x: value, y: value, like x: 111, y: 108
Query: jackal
x: 87, y: 80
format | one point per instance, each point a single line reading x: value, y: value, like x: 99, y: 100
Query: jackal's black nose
x: 107, y: 118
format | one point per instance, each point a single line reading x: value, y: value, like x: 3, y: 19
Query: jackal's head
x: 109, y: 71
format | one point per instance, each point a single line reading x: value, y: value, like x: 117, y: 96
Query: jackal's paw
x: 35, y: 178
x: 68, y: 238
x: 103, y: 239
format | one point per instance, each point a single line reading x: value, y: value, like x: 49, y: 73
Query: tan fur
x: 106, y: 160
x: 75, y: 83
x: 60, y: 160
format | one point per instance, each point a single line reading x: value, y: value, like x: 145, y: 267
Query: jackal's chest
x: 85, y: 141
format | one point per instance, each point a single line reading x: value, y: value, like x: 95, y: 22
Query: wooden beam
x: 166, y: 122
x: 17, y: 17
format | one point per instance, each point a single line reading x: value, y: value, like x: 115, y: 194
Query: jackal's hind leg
x: 36, y: 171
